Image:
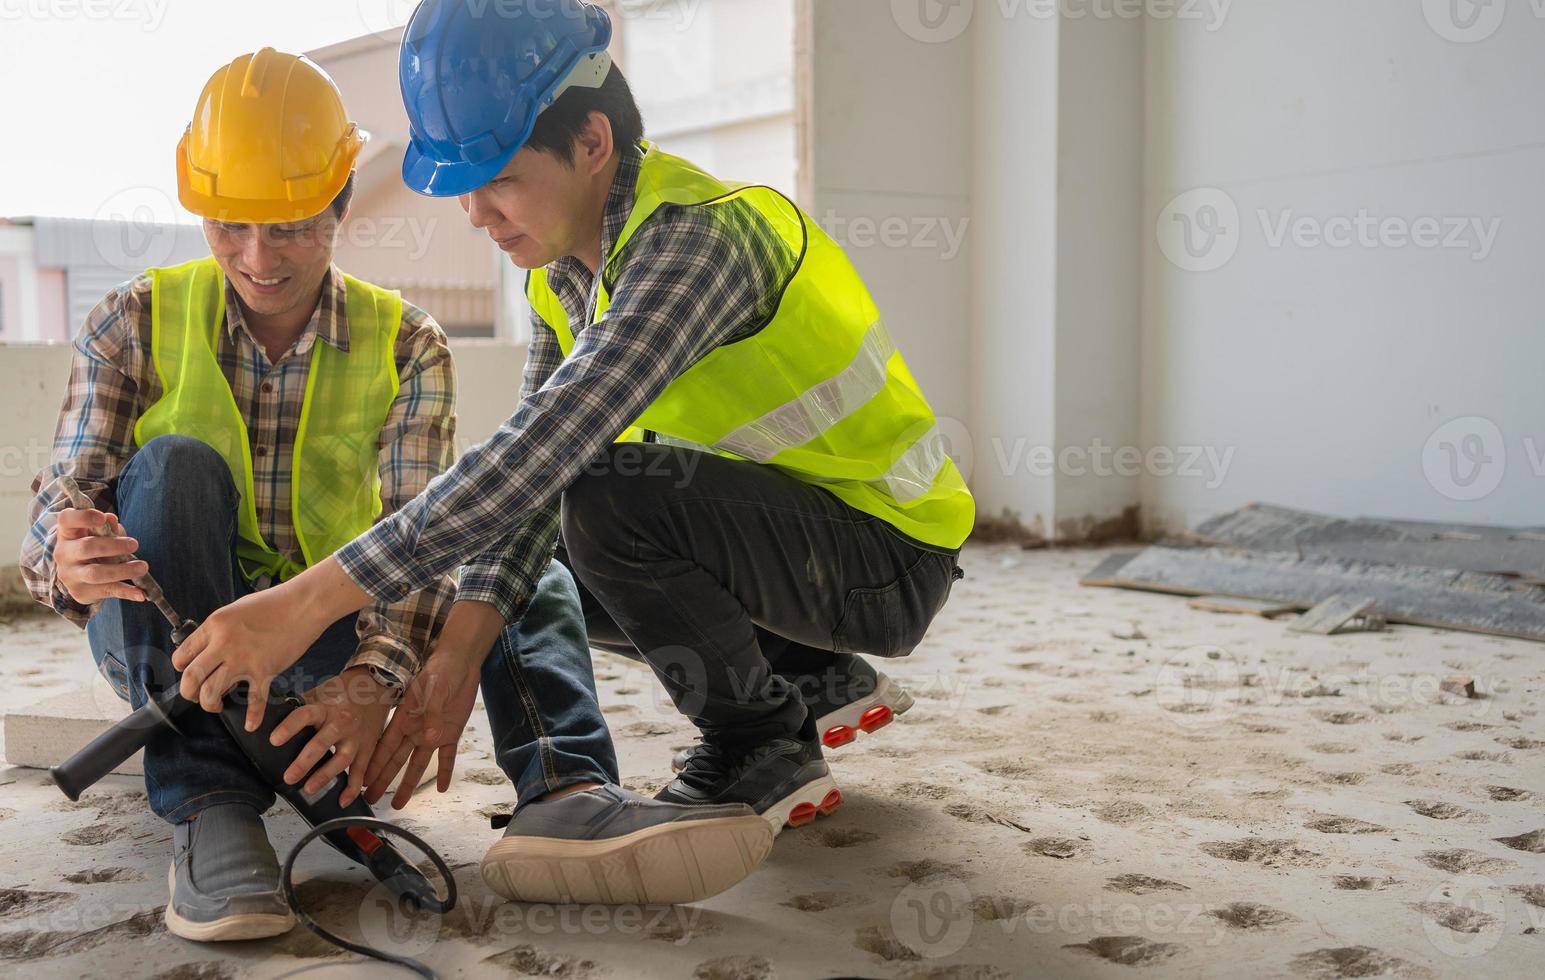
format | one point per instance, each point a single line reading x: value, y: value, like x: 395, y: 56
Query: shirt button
x: 268, y: 386
x: 262, y: 450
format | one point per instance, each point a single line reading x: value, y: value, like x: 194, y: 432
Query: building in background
x: 54, y: 270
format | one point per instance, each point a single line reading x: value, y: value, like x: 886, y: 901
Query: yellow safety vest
x: 820, y: 392
x: 335, y: 480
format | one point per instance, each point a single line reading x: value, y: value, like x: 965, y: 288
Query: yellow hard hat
x: 269, y: 142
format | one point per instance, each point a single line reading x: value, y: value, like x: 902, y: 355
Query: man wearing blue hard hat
x: 715, y: 433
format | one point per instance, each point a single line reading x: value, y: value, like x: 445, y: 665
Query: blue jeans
x: 539, y: 691
x: 177, y: 499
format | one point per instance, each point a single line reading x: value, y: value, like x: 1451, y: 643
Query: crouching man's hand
x: 348, y: 713
x: 90, y: 568
x: 436, y: 705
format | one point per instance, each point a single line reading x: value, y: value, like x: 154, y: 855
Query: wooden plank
x: 1266, y: 608
x: 1267, y: 527
x: 1332, y: 614
x: 1444, y: 598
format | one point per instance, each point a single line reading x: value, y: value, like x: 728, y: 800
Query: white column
x: 1100, y: 231
x: 1056, y: 209
x: 1014, y: 259
x: 1020, y: 131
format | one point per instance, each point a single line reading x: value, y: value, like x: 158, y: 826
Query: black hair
x: 561, y: 123
x: 343, y: 197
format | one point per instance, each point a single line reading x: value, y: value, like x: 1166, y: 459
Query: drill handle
x: 108, y: 750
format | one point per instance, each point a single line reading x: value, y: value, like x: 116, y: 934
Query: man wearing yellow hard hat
x: 237, y: 419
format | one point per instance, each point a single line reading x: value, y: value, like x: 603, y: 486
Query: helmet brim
x: 423, y: 174
x: 265, y: 211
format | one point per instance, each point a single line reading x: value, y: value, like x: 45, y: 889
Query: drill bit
x: 145, y: 583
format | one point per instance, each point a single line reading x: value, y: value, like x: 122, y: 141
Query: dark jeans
x: 704, y: 568
x: 177, y: 499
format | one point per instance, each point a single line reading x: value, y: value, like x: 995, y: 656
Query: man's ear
x: 593, y: 144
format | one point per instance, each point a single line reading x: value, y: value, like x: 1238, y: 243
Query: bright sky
x: 94, y: 94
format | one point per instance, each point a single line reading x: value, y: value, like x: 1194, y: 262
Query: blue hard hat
x: 475, y: 74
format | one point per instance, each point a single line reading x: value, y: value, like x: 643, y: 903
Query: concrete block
x: 53, y: 729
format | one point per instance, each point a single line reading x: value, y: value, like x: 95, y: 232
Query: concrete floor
x: 1208, y: 795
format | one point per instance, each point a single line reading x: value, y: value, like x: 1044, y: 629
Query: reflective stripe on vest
x: 815, y: 410
x: 335, y: 482
x: 820, y: 391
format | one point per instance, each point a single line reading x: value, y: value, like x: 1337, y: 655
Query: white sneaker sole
x: 865, y: 715
x: 670, y: 864
x: 817, y: 798
x: 248, y: 925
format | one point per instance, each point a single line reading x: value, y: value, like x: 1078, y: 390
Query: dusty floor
x: 1212, y: 796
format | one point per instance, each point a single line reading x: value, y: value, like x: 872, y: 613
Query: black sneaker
x: 611, y: 846
x: 847, y: 698
x: 784, y: 779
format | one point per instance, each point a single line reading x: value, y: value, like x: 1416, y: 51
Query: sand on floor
x: 1092, y: 783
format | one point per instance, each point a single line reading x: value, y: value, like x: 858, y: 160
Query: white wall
x: 888, y: 128
x: 1327, y: 371
x: 1386, y: 379
x: 33, y: 377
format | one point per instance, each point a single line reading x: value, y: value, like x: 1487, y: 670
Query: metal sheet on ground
x: 1107, y: 568
x: 1267, y: 527
x: 1444, y: 598
x: 1460, y: 531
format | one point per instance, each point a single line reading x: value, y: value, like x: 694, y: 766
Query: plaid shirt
x: 113, y: 381
x: 690, y: 279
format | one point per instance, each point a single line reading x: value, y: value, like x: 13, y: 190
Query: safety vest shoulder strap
x: 544, y: 303
x: 664, y: 178
x: 380, y: 309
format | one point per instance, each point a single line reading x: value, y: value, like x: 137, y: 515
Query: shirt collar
x: 329, y: 321
x: 619, y: 204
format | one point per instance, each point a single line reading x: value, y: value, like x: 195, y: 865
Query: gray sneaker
x: 224, y: 878
x: 611, y: 846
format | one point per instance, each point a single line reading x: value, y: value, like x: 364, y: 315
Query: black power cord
x: 432, y: 904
